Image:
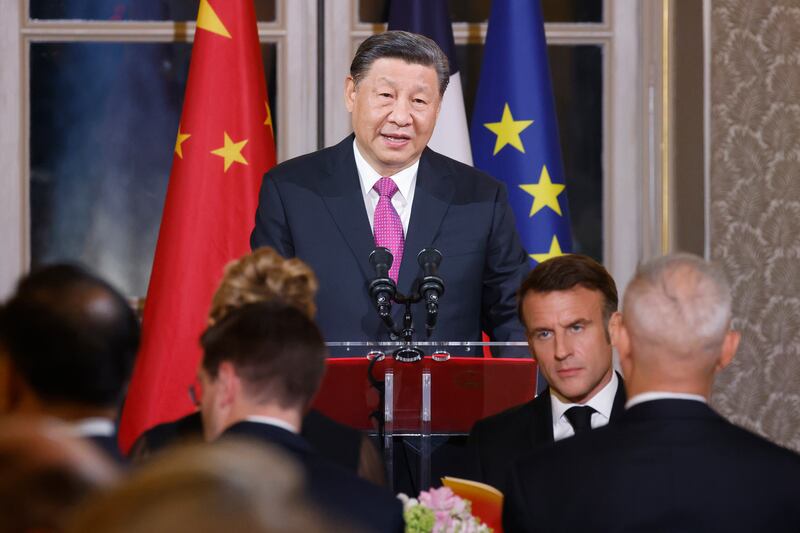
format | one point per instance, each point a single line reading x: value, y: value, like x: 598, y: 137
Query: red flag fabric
x: 224, y: 145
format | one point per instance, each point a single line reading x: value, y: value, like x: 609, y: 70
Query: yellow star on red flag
x: 231, y: 152
x: 208, y: 20
x: 179, y: 141
x: 268, y: 120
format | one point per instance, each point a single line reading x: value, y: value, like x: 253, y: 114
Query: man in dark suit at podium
x: 262, y: 364
x: 568, y: 305
x: 670, y: 463
x: 382, y: 186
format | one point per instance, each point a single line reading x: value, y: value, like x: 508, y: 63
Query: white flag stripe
x: 451, y: 136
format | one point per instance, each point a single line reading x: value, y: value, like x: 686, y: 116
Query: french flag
x: 431, y: 19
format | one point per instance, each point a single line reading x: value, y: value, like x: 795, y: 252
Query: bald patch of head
x: 678, y: 304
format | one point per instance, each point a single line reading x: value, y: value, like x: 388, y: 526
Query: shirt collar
x: 368, y: 176
x: 94, y: 427
x: 602, y: 402
x: 663, y: 395
x: 272, y: 421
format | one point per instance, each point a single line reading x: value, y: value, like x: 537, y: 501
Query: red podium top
x: 463, y: 390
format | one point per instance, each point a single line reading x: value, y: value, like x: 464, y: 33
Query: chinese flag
x: 224, y: 146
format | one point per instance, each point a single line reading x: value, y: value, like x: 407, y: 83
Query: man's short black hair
x: 276, y: 350
x: 71, y: 336
x: 566, y: 272
x: 410, y: 47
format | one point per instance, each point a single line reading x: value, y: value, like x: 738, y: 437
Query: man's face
x: 394, y: 109
x: 210, y: 406
x: 568, y: 339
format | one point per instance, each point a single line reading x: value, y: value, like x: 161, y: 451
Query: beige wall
x: 755, y: 206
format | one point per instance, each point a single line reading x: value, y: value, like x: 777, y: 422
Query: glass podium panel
x: 420, y: 412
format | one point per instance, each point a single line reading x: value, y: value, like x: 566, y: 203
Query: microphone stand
x: 383, y: 290
x: 407, y: 353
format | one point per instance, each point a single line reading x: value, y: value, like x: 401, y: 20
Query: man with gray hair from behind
x: 671, y: 463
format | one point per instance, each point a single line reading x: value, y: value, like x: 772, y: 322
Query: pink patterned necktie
x: 388, y: 227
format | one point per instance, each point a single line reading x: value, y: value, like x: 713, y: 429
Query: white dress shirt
x: 662, y: 395
x: 602, y: 403
x: 406, y: 181
x: 94, y: 427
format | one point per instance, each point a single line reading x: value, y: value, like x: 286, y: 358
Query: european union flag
x: 514, y: 132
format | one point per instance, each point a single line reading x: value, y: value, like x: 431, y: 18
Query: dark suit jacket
x: 338, y: 492
x: 497, y: 441
x: 666, y: 465
x: 311, y: 207
x: 332, y: 440
x: 108, y: 443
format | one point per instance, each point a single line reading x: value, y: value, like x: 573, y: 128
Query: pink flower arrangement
x: 440, y: 511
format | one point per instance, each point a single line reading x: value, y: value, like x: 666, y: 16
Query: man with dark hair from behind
x: 261, y: 367
x: 68, y: 340
x: 568, y: 305
x: 263, y: 275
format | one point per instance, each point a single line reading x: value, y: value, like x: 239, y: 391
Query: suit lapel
x: 432, y: 196
x: 541, y: 427
x: 341, y: 192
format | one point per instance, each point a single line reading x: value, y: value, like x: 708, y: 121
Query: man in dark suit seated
x: 670, y: 463
x: 382, y: 186
x: 262, y: 364
x: 68, y: 341
x: 568, y: 305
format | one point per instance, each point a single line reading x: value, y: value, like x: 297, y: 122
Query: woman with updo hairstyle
x: 262, y: 276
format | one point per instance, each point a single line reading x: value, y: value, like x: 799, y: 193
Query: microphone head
x: 429, y: 256
x: 381, y: 257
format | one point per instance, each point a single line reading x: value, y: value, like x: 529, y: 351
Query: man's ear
x: 729, y: 346
x: 349, y: 93
x: 622, y: 342
x: 228, y: 383
x: 614, y: 323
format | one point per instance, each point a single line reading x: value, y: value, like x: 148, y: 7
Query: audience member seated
x: 45, y: 474
x: 230, y: 486
x: 68, y: 341
x: 568, y: 306
x: 670, y: 463
x: 261, y: 366
x: 263, y: 275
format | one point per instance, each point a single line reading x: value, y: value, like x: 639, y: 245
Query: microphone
x: 382, y: 289
x: 431, y: 286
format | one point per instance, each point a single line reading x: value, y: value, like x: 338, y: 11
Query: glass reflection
x: 182, y: 10
x: 103, y: 124
x: 475, y: 11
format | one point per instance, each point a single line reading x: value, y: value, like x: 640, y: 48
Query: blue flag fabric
x: 431, y: 18
x: 514, y: 131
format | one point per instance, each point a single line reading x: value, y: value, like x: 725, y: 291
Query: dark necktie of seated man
x: 580, y: 417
